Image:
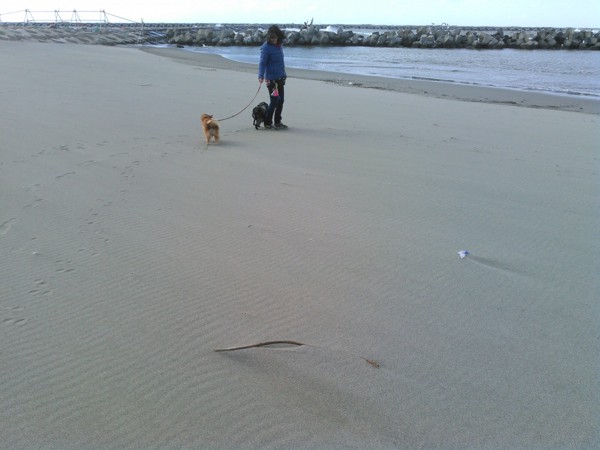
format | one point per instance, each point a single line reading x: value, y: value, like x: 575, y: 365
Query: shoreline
x: 431, y: 88
x: 437, y: 89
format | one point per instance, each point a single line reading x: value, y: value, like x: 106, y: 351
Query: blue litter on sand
x: 462, y: 254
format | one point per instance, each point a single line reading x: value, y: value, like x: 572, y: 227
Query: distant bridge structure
x: 58, y: 17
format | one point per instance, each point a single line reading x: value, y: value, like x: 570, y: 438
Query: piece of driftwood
x: 283, y: 342
x: 259, y: 344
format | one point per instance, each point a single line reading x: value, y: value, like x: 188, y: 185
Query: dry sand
x: 130, y: 251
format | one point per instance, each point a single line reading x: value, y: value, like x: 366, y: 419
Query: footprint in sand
x: 34, y: 204
x: 14, y: 321
x: 12, y: 312
x: 87, y: 163
x: 41, y: 292
x: 5, y: 226
x: 41, y: 288
x: 11, y: 308
x: 58, y: 177
x: 65, y: 268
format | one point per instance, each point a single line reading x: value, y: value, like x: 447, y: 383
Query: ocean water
x: 554, y: 71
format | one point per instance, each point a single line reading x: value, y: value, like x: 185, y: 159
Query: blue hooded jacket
x: 271, y: 65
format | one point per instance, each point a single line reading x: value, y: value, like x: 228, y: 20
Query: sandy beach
x: 131, y: 251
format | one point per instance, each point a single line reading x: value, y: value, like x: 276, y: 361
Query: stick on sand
x: 285, y: 342
x: 259, y: 344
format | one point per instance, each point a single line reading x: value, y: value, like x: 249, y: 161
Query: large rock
x: 572, y: 44
x: 530, y: 45
x: 205, y: 35
x: 357, y: 39
x: 324, y: 39
x: 427, y: 41
x: 461, y: 40
x: 394, y: 41
x: 225, y: 33
x: 292, y: 39
x: 345, y: 36
x: 382, y: 41
x: 447, y: 41
x: 548, y: 43
x: 372, y: 40
x: 408, y: 37
x: 486, y: 40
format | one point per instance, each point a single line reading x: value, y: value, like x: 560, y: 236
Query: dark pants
x: 276, y: 104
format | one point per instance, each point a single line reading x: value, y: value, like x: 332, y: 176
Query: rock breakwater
x: 419, y: 37
x: 336, y: 35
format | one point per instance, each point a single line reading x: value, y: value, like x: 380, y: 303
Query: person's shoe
x: 268, y: 126
x: 280, y: 126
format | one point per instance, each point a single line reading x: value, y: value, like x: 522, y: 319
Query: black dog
x: 258, y: 114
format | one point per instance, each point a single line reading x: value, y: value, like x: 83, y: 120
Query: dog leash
x: 245, y: 107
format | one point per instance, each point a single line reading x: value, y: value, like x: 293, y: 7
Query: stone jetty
x: 441, y: 36
x: 412, y: 37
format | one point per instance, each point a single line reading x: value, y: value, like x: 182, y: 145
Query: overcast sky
x: 533, y: 13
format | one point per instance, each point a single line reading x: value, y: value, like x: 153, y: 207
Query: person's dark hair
x: 276, y: 31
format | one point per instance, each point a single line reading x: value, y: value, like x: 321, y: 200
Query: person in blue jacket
x: 271, y: 70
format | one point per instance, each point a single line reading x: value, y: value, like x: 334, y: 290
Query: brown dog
x: 210, y: 127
